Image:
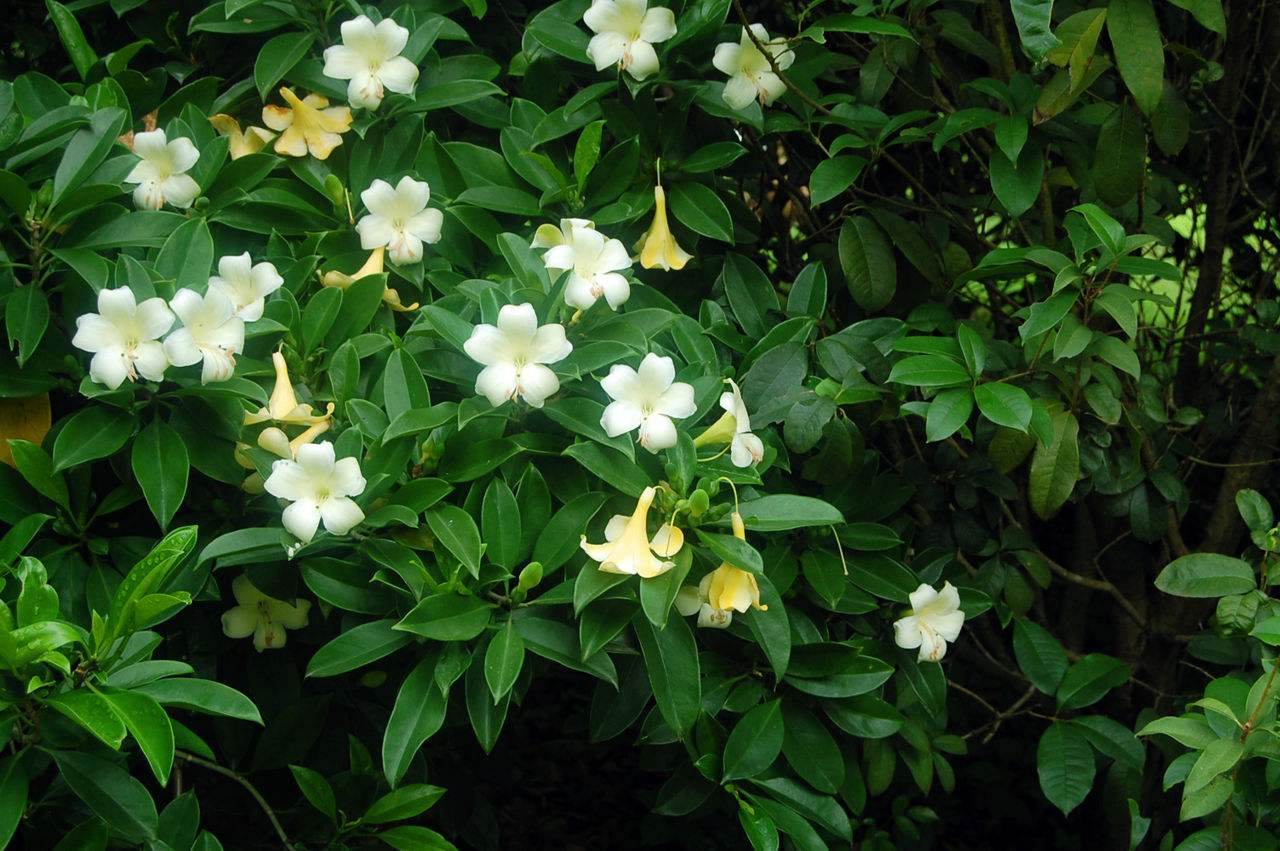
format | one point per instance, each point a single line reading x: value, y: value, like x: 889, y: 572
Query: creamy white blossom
x: 746, y: 448
x: 161, y: 171
x: 751, y: 77
x: 625, y: 32
x: 124, y: 337
x: 246, y: 284
x: 935, y: 619
x: 513, y: 354
x: 263, y: 617
x: 593, y: 262
x: 547, y: 236
x: 646, y: 399
x: 318, y: 488
x: 211, y: 334
x: 399, y: 219
x: 628, y: 547
x: 369, y: 57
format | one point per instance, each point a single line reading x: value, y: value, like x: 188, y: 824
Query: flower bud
x: 335, y: 190
x: 530, y: 576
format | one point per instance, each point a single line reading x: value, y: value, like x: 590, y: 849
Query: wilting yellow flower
x: 627, y: 547
x: 283, y: 405
x: 263, y: 617
x: 723, y: 591
x: 307, y: 125
x: 658, y: 249
x: 372, y: 266
x: 242, y: 143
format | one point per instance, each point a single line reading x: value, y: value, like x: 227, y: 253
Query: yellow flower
x: 723, y: 591
x: 372, y: 266
x: 263, y: 617
x: 307, y: 125
x: 283, y: 405
x: 275, y: 441
x: 627, y: 547
x: 658, y: 249
x: 242, y: 143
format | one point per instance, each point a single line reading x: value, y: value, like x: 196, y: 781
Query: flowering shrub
x: 859, y: 405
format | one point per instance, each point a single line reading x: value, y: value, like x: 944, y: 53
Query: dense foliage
x: 856, y: 428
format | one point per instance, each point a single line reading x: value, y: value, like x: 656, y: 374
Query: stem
x: 249, y: 787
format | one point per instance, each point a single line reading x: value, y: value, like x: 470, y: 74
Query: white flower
x: 628, y: 548
x: 513, y: 354
x: 317, y: 488
x: 935, y: 619
x: 123, y: 337
x: 369, y: 57
x: 646, y: 399
x: 751, y: 77
x: 161, y: 172
x: 625, y: 34
x: 745, y: 449
x: 246, y: 284
x: 263, y: 617
x: 211, y: 333
x: 594, y: 262
x: 399, y: 219
x: 547, y: 236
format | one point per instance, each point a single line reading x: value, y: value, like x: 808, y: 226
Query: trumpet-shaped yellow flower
x: 658, y: 248
x: 283, y: 405
x: 306, y: 125
x: 373, y: 266
x: 242, y: 143
x: 263, y: 617
x: 275, y: 441
x: 628, y: 548
x: 723, y: 591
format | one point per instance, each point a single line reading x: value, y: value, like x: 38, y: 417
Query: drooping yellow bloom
x: 307, y: 125
x: 283, y: 405
x: 372, y: 266
x: 242, y: 143
x: 723, y: 591
x: 658, y: 248
x: 628, y: 548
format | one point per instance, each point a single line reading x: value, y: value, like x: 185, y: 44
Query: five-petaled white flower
x: 161, y: 172
x: 625, y: 33
x: 628, y: 547
x: 369, y: 57
x: 317, y: 488
x: 935, y: 619
x: 263, y: 617
x: 746, y: 448
x: 594, y: 262
x: 211, y: 333
x: 246, y: 284
x: 123, y: 337
x: 399, y: 219
x: 513, y: 355
x: 751, y: 77
x: 646, y: 399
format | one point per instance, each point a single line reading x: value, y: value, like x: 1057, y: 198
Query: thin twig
x: 249, y: 787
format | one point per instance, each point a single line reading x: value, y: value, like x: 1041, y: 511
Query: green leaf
x: 207, y: 696
x: 161, y: 466
x: 559, y: 538
x: 1040, y: 655
x: 1139, y: 49
x: 145, y: 578
x: 1113, y: 739
x: 929, y: 371
x: 1087, y: 681
x: 1192, y: 731
x: 111, y: 793
x: 186, y: 256
x: 72, y: 37
x: 357, y: 647
x: 409, y: 837
x: 447, y: 617
x: 755, y: 742
x: 26, y: 316
x: 1004, y: 404
x: 455, y: 529
x: 403, y: 803
x: 1048, y: 313
x: 698, y: 208
x: 1206, y: 575
x: 500, y: 520
x: 811, y: 750
x: 1218, y: 757
x: 277, y: 58
x: 867, y: 260
x: 780, y: 512
x: 93, y: 432
x: 1120, y: 160
x: 1254, y: 510
x: 1208, y: 12
x: 503, y: 660
x: 13, y: 796
x: 317, y: 790
x: 1055, y: 467
x: 833, y: 176
x: 150, y: 727
x: 1017, y: 184
x: 1034, y: 21
x: 750, y: 294
x: 586, y: 153
x: 948, y: 413
x: 671, y: 658
x: 87, y: 149
x: 93, y: 712
x: 416, y: 716
x: 1065, y: 764
x: 36, y: 467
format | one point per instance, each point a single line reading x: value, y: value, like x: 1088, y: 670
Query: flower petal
x: 497, y: 382
x: 621, y: 383
x: 644, y: 61
x: 659, y: 24
x: 93, y: 334
x: 399, y: 75
x: 347, y: 480
x: 342, y: 63
x: 656, y: 373
x: 518, y: 322
x: 621, y: 417
x: 109, y: 367
x: 180, y: 190
x: 239, y: 622
x: 301, y: 518
x: 535, y: 383
x: 340, y: 515
x: 375, y: 231
x: 487, y: 345
x: 657, y: 432
x: 182, y: 154
x: 906, y: 633
x: 549, y: 344
x: 180, y: 348
x: 149, y: 360
x: 288, y: 481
